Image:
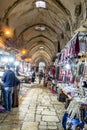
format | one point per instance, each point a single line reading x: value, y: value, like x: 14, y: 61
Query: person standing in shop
x: 8, y: 79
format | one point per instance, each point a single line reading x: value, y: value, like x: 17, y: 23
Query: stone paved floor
x: 38, y: 110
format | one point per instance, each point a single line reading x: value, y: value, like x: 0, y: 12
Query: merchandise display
x: 72, y: 82
x: 77, y: 113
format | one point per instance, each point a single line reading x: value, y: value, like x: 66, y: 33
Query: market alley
x: 38, y: 109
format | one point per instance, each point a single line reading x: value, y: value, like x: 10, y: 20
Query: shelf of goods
x: 70, y: 90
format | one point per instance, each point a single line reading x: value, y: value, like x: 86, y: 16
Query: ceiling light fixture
x: 8, y: 32
x: 40, y: 28
x: 40, y: 4
x: 41, y: 47
x: 24, y: 51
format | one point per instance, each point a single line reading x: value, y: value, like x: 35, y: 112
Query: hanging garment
x: 85, y: 68
x: 77, y: 47
x: 57, y: 73
x: 59, y: 50
x: 72, y: 48
x: 82, y: 47
x: 59, y: 58
x: 62, y: 57
x: 82, y: 112
x: 81, y: 69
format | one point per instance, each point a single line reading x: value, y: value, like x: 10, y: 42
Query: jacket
x: 8, y: 78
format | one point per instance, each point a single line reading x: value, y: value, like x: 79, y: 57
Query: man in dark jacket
x: 8, y: 79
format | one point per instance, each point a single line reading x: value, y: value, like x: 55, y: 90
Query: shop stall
x: 72, y: 60
x: 71, y: 80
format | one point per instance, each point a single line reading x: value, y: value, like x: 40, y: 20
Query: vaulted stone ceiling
x: 60, y: 19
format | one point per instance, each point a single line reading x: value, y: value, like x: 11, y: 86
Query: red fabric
x: 53, y: 91
x: 53, y: 71
x: 60, y: 72
x: 69, y: 72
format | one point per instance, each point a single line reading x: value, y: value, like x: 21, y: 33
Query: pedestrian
x: 40, y: 76
x: 33, y: 76
x: 8, y: 79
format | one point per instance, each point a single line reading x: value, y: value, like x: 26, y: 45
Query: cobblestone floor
x: 38, y: 110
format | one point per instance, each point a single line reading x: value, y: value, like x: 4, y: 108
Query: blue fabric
x: 8, y: 78
x: 7, y: 97
x: 64, y: 120
x: 75, y: 122
x: 7, y: 89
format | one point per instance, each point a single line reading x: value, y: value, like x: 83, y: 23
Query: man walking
x: 8, y: 79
